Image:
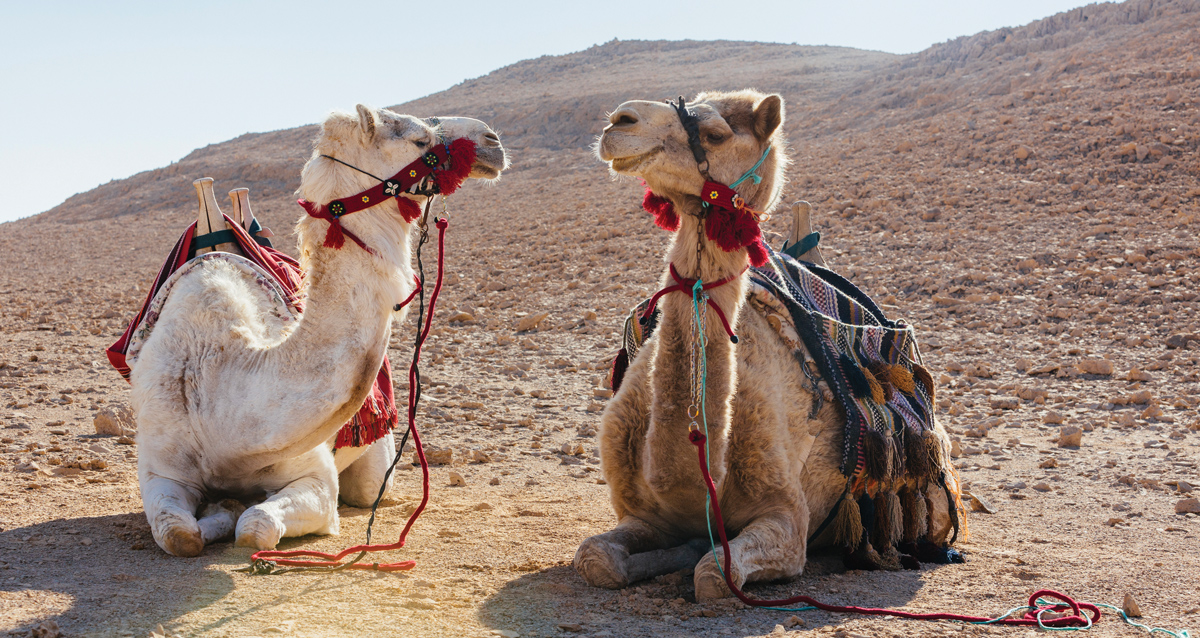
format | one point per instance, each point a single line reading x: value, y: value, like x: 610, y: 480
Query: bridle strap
x: 683, y: 284
x: 691, y: 125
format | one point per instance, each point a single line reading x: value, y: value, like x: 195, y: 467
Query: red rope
x: 683, y: 284
x: 334, y: 560
x: 1076, y: 619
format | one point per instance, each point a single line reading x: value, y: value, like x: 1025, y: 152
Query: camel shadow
x: 665, y: 607
x: 103, y: 575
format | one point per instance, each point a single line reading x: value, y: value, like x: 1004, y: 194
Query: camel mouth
x: 633, y: 163
x: 489, y: 163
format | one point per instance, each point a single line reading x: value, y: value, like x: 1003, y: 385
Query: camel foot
x: 602, y: 564
x: 710, y: 582
x: 180, y: 541
x: 258, y: 530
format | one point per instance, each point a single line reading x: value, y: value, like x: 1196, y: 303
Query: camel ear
x: 768, y: 115
x: 366, y: 121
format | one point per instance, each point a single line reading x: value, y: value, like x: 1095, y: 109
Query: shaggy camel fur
x: 232, y: 403
x: 775, y: 463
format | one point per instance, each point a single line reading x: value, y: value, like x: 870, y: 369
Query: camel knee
x: 709, y: 579
x: 602, y: 563
x: 259, y: 529
x: 177, y: 535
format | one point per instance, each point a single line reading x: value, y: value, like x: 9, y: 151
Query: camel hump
x: 209, y: 219
x: 801, y: 229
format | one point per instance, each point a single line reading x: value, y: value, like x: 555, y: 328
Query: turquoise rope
x: 750, y: 173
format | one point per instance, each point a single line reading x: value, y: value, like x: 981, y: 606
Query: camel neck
x: 672, y: 381
x: 334, y: 354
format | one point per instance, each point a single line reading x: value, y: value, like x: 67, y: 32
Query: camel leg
x: 616, y: 558
x: 770, y: 547
x: 305, y: 504
x: 359, y: 484
x: 170, y: 510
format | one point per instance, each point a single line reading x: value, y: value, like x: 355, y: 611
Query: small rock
x: 1096, y: 366
x: 1023, y: 152
x: 462, y: 317
x: 1181, y: 340
x: 778, y: 631
x: 1048, y: 463
x: 980, y: 505
x: 110, y: 423
x: 456, y: 480
x: 1070, y: 436
x: 570, y: 626
x: 1130, y: 607
x: 436, y: 457
x: 955, y: 450
x: 530, y: 322
x: 1052, y: 417
x: 794, y: 621
x: 1188, y: 506
x: 1112, y: 522
x: 482, y: 507
x: 589, y: 316
x: 505, y: 633
x: 421, y: 603
x: 46, y: 629
x: 495, y: 481
x: 1004, y: 403
x: 1184, y: 487
x: 479, y: 456
x: 1042, y: 487
x: 1135, y: 374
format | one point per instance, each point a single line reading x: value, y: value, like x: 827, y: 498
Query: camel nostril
x: 491, y: 139
x: 623, y: 117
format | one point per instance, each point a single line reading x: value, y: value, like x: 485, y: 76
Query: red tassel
x: 462, y: 156
x: 408, y: 209
x: 662, y: 209
x: 757, y: 253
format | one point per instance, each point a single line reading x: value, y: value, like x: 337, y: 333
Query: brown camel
x: 775, y: 460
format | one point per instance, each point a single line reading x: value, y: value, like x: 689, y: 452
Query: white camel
x: 234, y: 403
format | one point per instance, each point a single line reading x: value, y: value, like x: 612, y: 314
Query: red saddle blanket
x: 378, y: 414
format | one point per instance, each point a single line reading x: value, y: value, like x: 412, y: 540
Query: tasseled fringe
x: 408, y: 209
x: 895, y: 458
x: 933, y: 448
x: 662, y: 209
x: 859, y: 385
x: 954, y: 487
x: 847, y: 525
x: 461, y: 153
x: 877, y: 393
x: 917, y: 463
x: 889, y: 521
x: 900, y: 377
x: 913, y: 504
x: 876, y: 456
x: 734, y: 229
x: 926, y: 379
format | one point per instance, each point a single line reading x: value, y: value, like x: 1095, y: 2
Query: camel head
x: 647, y: 140
x: 381, y: 142
x: 490, y: 158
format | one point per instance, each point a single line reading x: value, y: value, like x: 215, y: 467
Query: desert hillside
x: 1029, y: 198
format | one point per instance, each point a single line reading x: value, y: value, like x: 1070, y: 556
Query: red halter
x: 447, y: 166
x: 683, y: 284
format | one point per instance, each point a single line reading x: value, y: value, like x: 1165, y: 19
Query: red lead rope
x: 334, y: 560
x: 1031, y: 617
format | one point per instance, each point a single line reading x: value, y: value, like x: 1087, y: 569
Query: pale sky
x: 94, y: 91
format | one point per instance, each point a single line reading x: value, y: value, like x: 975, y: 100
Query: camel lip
x: 629, y: 164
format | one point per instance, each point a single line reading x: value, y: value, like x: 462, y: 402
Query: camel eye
x: 421, y: 143
x: 715, y: 138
